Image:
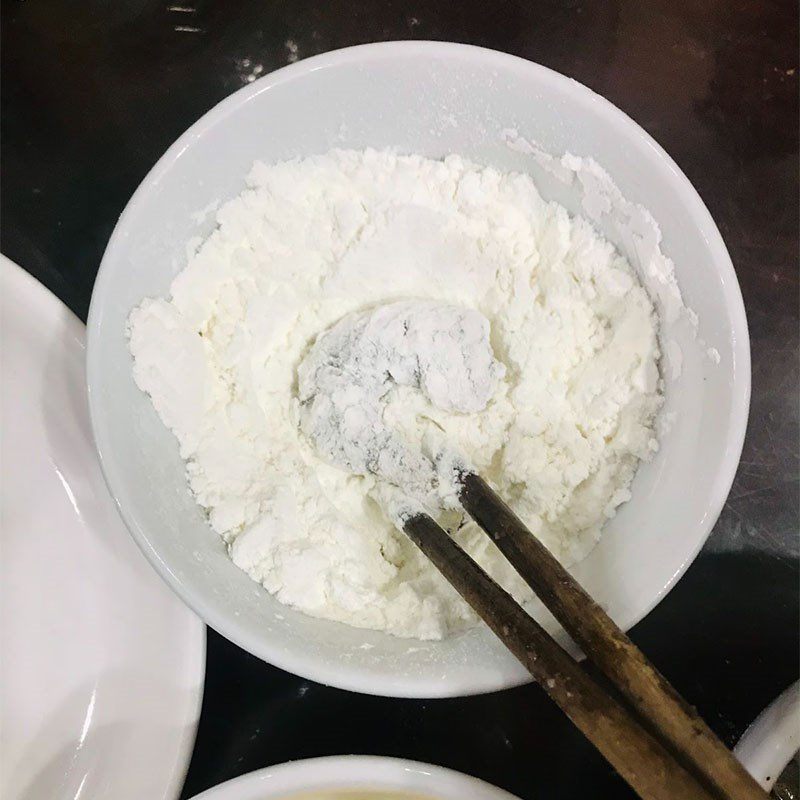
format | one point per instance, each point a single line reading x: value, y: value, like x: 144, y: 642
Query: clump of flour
x: 441, y: 349
x: 312, y: 241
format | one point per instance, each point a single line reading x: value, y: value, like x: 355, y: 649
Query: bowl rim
x: 347, y: 676
x: 372, y: 772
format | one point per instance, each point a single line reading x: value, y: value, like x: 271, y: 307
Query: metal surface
x: 94, y: 92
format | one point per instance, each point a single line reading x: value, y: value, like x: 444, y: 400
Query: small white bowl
x: 769, y: 744
x: 434, y: 99
x: 303, y: 779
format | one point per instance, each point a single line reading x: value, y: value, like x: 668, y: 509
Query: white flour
x: 312, y: 241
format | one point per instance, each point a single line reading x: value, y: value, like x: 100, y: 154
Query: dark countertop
x: 94, y: 92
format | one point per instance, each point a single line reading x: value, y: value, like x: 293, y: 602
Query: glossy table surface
x: 94, y: 92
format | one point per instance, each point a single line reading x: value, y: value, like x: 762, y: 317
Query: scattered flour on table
x: 567, y: 417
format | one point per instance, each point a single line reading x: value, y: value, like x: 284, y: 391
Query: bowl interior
x: 432, y: 99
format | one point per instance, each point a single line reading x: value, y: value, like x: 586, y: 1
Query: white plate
x: 102, y: 667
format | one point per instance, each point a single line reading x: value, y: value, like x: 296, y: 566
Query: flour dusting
x: 442, y: 350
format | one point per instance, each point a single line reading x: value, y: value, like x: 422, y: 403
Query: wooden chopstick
x: 662, y: 709
x: 640, y: 759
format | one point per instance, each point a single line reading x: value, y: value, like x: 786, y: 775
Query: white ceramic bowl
x: 771, y: 742
x: 303, y: 779
x: 434, y: 99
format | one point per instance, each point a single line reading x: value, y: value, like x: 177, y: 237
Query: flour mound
x: 312, y: 241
